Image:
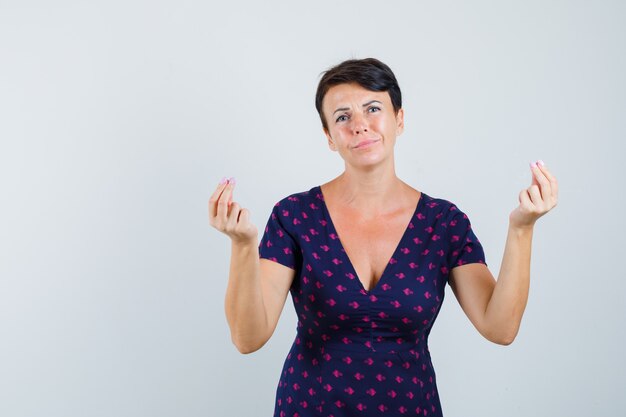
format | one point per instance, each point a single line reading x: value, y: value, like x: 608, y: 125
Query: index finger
x: 541, y: 180
x: 551, y: 178
x: 215, y: 198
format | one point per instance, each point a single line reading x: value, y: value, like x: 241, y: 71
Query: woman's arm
x: 257, y: 288
x: 496, y: 308
x: 255, y: 297
x: 243, y: 304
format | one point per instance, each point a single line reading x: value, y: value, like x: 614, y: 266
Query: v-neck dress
x: 358, y: 352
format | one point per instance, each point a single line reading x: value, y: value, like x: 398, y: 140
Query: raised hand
x: 536, y: 200
x: 228, y: 217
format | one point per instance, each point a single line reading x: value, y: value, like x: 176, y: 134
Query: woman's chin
x: 364, y: 161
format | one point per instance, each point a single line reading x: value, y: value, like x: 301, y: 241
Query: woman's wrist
x: 243, y: 244
x: 521, y: 230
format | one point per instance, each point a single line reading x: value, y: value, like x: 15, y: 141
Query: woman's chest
x: 391, y: 271
x: 370, y: 245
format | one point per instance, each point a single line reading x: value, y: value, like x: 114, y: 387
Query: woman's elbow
x: 504, y: 341
x: 501, y: 338
x: 247, y: 348
x: 244, y: 350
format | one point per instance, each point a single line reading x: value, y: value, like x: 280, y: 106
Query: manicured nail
x: 232, y: 181
x: 533, y: 165
x: 540, y: 162
x: 223, y: 180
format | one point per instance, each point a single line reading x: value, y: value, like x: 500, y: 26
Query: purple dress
x: 358, y: 352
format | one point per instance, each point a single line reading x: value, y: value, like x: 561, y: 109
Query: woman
x: 366, y: 258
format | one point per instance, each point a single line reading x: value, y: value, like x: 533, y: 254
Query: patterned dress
x: 358, y: 352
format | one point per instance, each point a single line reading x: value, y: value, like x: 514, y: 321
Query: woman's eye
x: 374, y: 108
x: 341, y: 118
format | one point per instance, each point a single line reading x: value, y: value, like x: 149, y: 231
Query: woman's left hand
x: 536, y: 200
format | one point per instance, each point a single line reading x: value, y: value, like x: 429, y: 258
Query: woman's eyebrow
x: 371, y: 101
x: 364, y: 105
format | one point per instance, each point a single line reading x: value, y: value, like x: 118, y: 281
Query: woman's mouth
x: 366, y: 143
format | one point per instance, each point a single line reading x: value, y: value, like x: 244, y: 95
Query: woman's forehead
x: 344, y: 95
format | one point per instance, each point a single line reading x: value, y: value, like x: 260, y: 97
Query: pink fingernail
x: 232, y: 181
x: 223, y: 180
x: 533, y: 164
x: 540, y: 162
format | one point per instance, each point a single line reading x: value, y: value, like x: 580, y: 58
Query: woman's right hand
x: 228, y: 217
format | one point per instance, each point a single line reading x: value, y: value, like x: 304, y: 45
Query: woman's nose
x: 359, y: 124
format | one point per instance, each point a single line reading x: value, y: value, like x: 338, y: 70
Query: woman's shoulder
x: 299, y: 197
x: 440, y: 204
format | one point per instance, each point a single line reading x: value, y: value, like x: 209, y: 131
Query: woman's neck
x: 371, y: 193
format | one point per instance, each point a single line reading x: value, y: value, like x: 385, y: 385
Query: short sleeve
x: 278, y: 243
x: 465, y: 248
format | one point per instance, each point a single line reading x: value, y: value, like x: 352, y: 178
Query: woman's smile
x: 367, y: 144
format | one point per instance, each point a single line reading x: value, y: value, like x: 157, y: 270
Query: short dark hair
x: 369, y: 73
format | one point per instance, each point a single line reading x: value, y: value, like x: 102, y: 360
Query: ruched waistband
x: 359, y: 347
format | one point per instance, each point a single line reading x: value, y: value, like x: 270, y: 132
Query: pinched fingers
x: 229, y: 217
x: 540, y: 179
x: 215, y: 197
x: 554, y: 185
x: 537, y: 199
x: 543, y: 191
x: 220, y: 202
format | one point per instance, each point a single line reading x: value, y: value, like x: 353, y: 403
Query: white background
x: 118, y: 119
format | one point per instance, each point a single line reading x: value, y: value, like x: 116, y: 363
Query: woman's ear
x: 331, y: 142
x: 400, y: 122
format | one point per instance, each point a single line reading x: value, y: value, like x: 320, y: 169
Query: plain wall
x: 118, y: 119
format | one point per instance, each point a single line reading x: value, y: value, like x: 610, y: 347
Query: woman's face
x: 362, y: 126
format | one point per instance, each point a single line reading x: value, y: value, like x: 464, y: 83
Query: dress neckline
x: 405, y: 234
